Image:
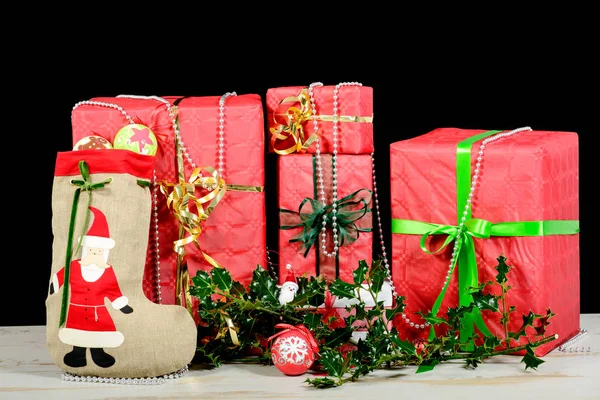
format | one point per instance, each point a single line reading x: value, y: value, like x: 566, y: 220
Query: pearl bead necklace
x: 461, y: 225
x: 320, y: 183
x: 155, y: 380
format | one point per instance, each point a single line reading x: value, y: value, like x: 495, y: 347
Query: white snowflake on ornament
x: 289, y: 288
x: 293, y: 350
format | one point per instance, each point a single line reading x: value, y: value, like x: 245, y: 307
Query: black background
x: 415, y: 90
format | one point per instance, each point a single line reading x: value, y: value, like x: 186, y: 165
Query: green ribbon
x: 473, y: 228
x: 86, y: 185
x: 350, y: 209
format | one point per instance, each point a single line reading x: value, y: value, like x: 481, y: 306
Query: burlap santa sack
x: 99, y: 322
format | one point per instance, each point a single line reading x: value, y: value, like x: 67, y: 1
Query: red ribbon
x: 301, y: 330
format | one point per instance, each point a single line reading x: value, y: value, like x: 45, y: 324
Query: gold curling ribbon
x: 191, y: 212
x: 290, y: 123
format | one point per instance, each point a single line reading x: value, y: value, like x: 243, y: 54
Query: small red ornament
x: 294, y: 350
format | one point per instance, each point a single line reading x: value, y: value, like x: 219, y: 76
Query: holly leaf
x: 360, y: 273
x: 359, y: 312
x: 222, y: 278
x: 263, y: 287
x: 427, y: 366
x: 432, y: 319
x: 202, y: 285
x: 237, y: 289
x: 377, y: 275
x: 407, y: 347
x: 339, y: 336
x: 378, y: 328
x: 530, y: 360
x: 311, y: 320
x: 343, y: 289
x: 321, y: 383
x: 310, y: 291
x: 485, y: 301
x: 491, y: 342
x: 333, y: 362
x: 473, y: 362
x: 455, y: 314
x: 502, y: 269
x: 398, y: 308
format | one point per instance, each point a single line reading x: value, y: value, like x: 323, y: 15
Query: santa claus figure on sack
x: 92, y: 280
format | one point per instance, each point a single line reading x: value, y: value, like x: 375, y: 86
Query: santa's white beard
x: 84, y: 253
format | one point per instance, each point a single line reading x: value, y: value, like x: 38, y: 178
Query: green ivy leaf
x: 312, y: 320
x: 222, y: 278
x: 377, y: 275
x: 339, y: 337
x: 427, y: 366
x: 342, y: 289
x: 502, y: 269
x: 333, y: 362
x: 263, y: 287
x: 360, y: 273
x: 530, y: 360
x: 485, y: 301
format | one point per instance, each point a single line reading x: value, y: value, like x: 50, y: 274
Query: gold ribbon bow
x: 291, y: 115
x: 191, y: 212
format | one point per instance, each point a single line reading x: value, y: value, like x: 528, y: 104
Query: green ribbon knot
x: 311, y: 214
x: 463, y: 235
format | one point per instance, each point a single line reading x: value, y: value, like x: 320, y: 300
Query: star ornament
x: 141, y: 136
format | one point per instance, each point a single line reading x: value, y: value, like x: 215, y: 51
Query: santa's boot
x: 103, y: 307
x: 76, y: 357
x: 100, y: 358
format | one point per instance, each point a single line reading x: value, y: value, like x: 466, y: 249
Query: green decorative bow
x: 86, y: 185
x: 309, y: 217
x: 465, y: 244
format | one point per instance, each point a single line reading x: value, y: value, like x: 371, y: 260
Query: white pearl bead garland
x: 320, y: 183
x: 156, y: 380
x: 463, y: 219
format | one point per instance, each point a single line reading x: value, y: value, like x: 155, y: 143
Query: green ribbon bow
x: 350, y: 209
x: 86, y: 185
x: 465, y: 245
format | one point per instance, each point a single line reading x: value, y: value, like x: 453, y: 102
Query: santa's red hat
x: 98, y: 235
x: 290, y: 279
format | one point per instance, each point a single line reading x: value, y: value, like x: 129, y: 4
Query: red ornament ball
x: 292, y: 352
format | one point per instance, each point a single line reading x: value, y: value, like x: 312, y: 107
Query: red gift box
x: 297, y: 179
x: 224, y: 234
x: 529, y: 176
x: 289, y: 113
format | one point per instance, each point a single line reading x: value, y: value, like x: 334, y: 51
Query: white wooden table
x: 26, y: 372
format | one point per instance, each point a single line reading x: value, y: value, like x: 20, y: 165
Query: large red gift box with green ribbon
x: 523, y: 206
x: 223, y: 231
